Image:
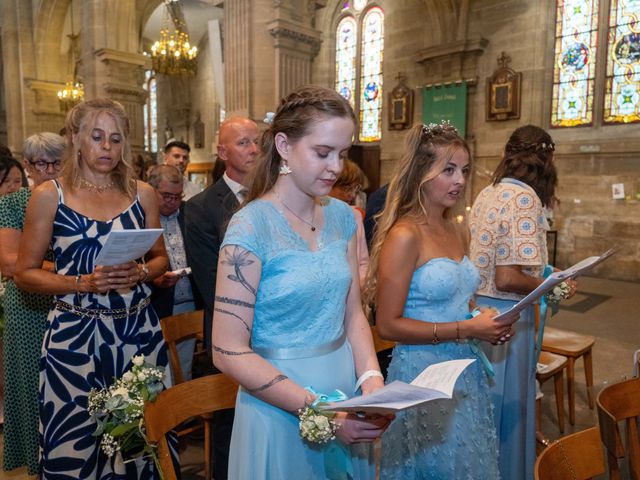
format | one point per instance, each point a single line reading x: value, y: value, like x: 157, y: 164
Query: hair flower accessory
x: 434, y: 128
x: 268, y: 117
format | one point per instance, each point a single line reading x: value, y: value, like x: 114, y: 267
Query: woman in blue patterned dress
x: 287, y: 311
x: 101, y: 316
x: 509, y: 247
x: 25, y: 313
x: 424, y: 285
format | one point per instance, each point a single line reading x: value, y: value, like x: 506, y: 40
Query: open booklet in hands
x: 435, y: 381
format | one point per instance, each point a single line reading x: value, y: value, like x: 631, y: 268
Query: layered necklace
x: 313, y: 215
x: 92, y: 187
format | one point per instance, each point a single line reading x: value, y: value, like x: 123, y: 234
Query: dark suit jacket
x: 162, y: 298
x: 375, y: 204
x: 206, y: 217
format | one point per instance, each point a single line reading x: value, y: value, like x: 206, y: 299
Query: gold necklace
x: 313, y: 216
x: 92, y: 187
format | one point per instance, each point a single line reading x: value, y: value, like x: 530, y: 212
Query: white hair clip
x: 268, y: 118
x: 428, y: 129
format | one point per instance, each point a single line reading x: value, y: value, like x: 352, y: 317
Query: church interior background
x: 570, y: 66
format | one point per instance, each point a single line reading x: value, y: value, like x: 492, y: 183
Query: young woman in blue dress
x: 287, y: 311
x: 423, y: 284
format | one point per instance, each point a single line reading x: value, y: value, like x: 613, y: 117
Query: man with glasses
x: 176, y: 154
x: 173, y: 292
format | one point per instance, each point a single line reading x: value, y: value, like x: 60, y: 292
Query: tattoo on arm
x: 234, y: 301
x: 237, y: 259
x: 277, y: 379
x: 234, y: 315
x: 230, y: 352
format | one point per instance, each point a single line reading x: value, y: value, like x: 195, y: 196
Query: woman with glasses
x: 25, y: 313
x: 101, y: 315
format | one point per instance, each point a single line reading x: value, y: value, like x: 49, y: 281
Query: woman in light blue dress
x: 287, y: 311
x: 423, y: 284
x: 509, y: 247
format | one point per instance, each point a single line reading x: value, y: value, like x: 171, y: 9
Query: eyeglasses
x: 43, y: 165
x: 171, y: 197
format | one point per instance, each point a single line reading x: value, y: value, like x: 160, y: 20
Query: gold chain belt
x: 102, y: 312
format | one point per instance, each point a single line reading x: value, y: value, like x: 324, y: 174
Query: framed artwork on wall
x: 503, y: 92
x: 400, y: 105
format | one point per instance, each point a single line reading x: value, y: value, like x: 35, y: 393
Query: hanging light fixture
x: 173, y: 54
x: 73, y: 91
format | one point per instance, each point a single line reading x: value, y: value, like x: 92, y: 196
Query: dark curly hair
x: 528, y: 157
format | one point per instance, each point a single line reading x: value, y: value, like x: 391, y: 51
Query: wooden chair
x: 177, y: 404
x: 551, y: 365
x: 573, y: 346
x: 176, y: 328
x: 575, y: 457
x: 616, y: 403
x: 379, y: 343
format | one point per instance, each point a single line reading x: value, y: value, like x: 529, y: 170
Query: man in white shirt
x: 206, y: 218
x: 176, y: 154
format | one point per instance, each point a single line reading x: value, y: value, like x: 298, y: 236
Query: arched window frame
x: 358, y: 96
x: 605, y: 75
x: 151, y: 112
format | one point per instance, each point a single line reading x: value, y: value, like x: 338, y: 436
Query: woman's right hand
x: 484, y: 327
x: 353, y: 429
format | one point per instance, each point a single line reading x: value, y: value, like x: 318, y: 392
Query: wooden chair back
x: 179, y: 403
x: 176, y: 328
x: 616, y: 403
x: 575, y: 457
x: 379, y: 343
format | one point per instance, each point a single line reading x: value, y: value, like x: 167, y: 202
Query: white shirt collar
x: 234, y: 186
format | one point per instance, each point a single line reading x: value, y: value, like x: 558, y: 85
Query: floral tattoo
x: 237, y: 259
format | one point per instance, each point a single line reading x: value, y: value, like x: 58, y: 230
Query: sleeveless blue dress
x: 85, y: 351
x: 444, y: 439
x: 299, y: 327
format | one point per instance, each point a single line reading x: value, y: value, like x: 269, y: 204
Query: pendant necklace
x: 311, y: 225
x: 92, y: 187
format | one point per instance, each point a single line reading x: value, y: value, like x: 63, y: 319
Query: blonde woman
x: 424, y: 284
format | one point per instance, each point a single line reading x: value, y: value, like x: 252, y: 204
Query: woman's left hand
x: 371, y: 384
x: 125, y: 275
x: 573, y: 286
x: 355, y: 429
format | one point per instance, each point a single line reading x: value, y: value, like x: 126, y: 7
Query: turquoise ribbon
x: 548, y: 270
x: 337, y: 459
x: 474, y: 345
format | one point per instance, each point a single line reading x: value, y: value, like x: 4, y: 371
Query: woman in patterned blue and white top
x: 101, y: 316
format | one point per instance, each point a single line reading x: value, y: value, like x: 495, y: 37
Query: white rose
x: 121, y: 391
x: 138, y: 360
x: 142, y: 376
x: 128, y: 377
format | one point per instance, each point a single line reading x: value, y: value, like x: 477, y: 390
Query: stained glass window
x: 575, y: 62
x: 151, y: 113
x: 622, y: 83
x: 346, y: 38
x: 371, y: 75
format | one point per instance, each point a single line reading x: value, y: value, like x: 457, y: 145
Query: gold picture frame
x: 400, y: 105
x: 503, y: 92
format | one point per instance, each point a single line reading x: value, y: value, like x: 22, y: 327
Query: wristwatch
x: 145, y: 270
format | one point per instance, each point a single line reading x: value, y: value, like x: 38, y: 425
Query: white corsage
x: 268, y: 117
x: 317, y: 426
x: 559, y: 292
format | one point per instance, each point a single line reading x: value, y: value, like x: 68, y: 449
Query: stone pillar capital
x: 294, y: 36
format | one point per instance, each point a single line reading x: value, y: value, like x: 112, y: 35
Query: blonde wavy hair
x: 428, y: 148
x: 80, y: 122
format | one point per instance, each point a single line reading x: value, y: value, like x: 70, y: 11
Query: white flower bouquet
x: 317, y: 426
x: 559, y: 292
x: 119, y: 411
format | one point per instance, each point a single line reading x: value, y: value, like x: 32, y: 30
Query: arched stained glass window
x: 371, y: 76
x: 575, y: 62
x: 622, y: 84
x: 359, y: 53
x: 151, y: 113
x: 346, y: 40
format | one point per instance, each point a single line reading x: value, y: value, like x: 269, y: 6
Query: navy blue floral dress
x: 89, y: 341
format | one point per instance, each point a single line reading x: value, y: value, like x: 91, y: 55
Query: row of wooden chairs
x: 581, y: 456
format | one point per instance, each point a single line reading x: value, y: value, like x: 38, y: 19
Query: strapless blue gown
x: 444, y: 439
x: 298, y: 326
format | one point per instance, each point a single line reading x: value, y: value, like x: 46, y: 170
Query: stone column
x: 237, y: 56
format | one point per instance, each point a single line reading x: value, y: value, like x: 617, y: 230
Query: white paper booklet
x: 435, y: 381
x: 122, y: 246
x: 551, y: 281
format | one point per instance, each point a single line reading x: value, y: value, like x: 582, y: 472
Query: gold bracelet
x: 435, y: 340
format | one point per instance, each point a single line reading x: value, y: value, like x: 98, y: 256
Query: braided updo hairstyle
x: 528, y: 157
x: 428, y: 148
x: 295, y: 116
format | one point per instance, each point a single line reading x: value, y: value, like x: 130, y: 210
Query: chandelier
x: 73, y: 91
x: 70, y: 95
x: 172, y: 54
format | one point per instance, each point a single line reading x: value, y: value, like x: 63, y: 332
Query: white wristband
x: 366, y: 375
